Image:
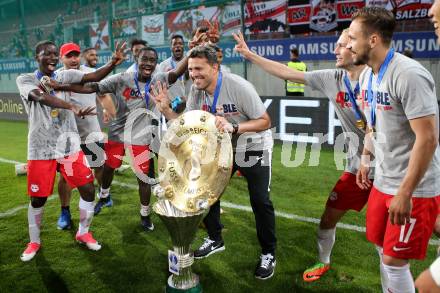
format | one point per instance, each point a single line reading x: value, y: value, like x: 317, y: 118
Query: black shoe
x: 265, y: 267
x: 147, y: 224
x: 209, y: 247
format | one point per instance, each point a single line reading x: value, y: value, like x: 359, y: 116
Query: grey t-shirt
x: 52, y: 132
x: 331, y: 83
x: 88, y: 127
x: 179, y: 88
x: 238, y: 102
x: 407, y: 91
x: 133, y: 124
x: 225, y: 68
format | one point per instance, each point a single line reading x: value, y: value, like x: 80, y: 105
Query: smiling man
x: 179, y: 89
x: 135, y: 47
x: 341, y: 86
x: 402, y: 108
x: 133, y: 128
x: 240, y: 111
x: 92, y: 139
x: 90, y: 57
x: 53, y: 141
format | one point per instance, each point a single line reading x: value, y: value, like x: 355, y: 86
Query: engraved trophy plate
x: 195, y: 161
x: 195, y: 165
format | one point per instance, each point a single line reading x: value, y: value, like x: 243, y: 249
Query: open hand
x: 213, y: 31
x: 120, y: 54
x: 223, y: 125
x: 81, y: 112
x: 241, y: 46
x: 159, y: 95
x: 198, y: 39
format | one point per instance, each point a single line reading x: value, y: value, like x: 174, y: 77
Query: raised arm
x: 117, y: 58
x: 276, y: 69
x: 200, y: 39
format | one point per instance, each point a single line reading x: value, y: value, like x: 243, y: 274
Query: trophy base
x: 170, y: 289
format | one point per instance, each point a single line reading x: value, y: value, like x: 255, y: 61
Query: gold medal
x: 360, y: 124
x: 54, y: 113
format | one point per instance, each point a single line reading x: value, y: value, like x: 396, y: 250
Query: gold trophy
x: 195, y: 165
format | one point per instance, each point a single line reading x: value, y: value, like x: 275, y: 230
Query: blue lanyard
x: 352, y: 96
x: 147, y: 88
x: 40, y: 75
x: 216, y: 93
x: 173, y: 66
x: 371, y: 95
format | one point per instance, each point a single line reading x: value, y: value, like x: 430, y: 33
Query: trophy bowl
x: 195, y: 164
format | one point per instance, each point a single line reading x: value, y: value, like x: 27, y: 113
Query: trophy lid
x: 195, y: 161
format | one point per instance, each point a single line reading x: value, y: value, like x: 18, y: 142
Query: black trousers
x: 258, y: 179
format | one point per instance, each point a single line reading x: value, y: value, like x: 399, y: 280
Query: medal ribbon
x: 352, y: 96
x: 146, y: 88
x: 216, y: 93
x: 39, y: 75
x: 371, y: 95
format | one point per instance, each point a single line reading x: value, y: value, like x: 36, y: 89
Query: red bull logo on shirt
x: 130, y: 94
x: 224, y: 109
x: 343, y: 99
x: 382, y: 100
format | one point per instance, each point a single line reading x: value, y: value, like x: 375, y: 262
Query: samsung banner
x: 423, y: 45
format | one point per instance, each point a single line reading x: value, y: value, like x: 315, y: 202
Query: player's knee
x: 327, y: 222
x: 330, y: 218
x: 394, y: 261
x: 87, y: 192
x: 142, y: 182
x: 38, y: 202
x: 437, y: 226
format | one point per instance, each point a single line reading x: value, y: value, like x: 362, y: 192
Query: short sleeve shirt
x: 331, y: 83
x: 179, y: 88
x: 52, y: 132
x: 238, y: 102
x: 88, y: 127
x: 407, y: 91
x: 133, y: 123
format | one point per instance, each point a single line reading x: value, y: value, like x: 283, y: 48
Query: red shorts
x: 140, y: 156
x: 42, y: 173
x: 408, y: 241
x: 346, y: 195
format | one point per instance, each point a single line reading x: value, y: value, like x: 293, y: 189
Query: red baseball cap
x: 69, y: 47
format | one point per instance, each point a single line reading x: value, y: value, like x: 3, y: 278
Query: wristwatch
x: 234, y: 127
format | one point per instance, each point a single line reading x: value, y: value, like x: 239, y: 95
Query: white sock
x: 326, y: 240
x: 85, y: 216
x: 383, y: 274
x: 145, y: 210
x: 104, y: 192
x: 34, y: 219
x: 400, y: 279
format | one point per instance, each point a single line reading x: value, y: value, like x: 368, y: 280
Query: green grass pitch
x: 135, y: 261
